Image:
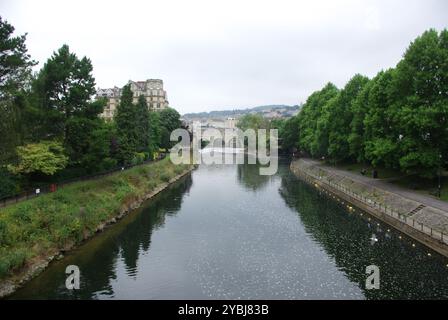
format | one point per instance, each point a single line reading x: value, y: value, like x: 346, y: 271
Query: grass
x: 383, y: 173
x: 423, y: 185
x: 52, y: 222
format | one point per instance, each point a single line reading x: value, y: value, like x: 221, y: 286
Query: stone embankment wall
x: 425, y: 224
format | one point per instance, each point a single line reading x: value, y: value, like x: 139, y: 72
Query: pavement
x: 427, y: 200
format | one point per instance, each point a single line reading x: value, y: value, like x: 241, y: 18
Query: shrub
x: 9, y: 184
x: 54, y: 220
x: 11, y: 260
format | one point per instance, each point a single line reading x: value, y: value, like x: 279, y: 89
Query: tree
x: 80, y: 128
x: 421, y: 88
x: 143, y: 125
x: 308, y: 119
x: 340, y: 116
x: 15, y: 74
x: 46, y: 158
x: 169, y: 121
x: 252, y: 121
x: 15, y: 62
x: 356, y: 138
x: 289, y: 134
x: 99, y: 155
x: 381, y: 133
x: 63, y: 90
x: 154, y: 132
x: 255, y: 122
x: 127, y: 131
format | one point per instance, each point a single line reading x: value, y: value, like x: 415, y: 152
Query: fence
x: 29, y: 194
x: 438, y: 235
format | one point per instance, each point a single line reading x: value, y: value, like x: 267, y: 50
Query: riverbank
x: 33, y: 233
x: 424, y: 219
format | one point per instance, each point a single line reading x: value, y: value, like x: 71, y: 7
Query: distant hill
x: 270, y: 111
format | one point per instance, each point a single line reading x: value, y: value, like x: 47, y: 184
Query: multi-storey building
x: 151, y: 89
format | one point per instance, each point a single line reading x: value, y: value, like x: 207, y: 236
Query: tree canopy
x: 398, y: 119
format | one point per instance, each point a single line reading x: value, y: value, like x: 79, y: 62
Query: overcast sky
x: 227, y: 54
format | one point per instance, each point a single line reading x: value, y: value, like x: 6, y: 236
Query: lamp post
x: 440, y: 179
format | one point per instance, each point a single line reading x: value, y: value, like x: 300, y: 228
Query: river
x: 225, y: 232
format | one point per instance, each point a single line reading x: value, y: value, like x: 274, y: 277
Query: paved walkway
x: 426, y: 200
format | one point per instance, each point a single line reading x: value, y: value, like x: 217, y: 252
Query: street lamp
x: 440, y: 184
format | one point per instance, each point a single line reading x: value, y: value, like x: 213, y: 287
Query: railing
x: 436, y: 234
x: 29, y: 194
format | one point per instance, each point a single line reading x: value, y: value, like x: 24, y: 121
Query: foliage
x: 15, y: 75
x: 127, y: 132
x: 398, y: 119
x: 289, y: 133
x: 154, y: 132
x: 169, y: 121
x: 9, y: 184
x: 15, y: 62
x: 252, y: 121
x: 62, y: 91
x: 46, y: 157
x: 52, y: 221
x: 309, y: 125
x: 142, y: 124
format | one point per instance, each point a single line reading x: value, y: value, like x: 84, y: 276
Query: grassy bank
x: 53, y: 222
x: 425, y: 186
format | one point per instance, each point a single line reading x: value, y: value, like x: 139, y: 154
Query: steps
x: 420, y: 207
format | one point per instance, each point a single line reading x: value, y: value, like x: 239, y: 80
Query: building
x: 151, y: 89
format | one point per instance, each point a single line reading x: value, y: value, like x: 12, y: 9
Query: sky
x: 215, y: 55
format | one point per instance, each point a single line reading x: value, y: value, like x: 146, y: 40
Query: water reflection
x: 249, y: 177
x: 355, y: 242
x: 217, y: 238
x: 124, y: 243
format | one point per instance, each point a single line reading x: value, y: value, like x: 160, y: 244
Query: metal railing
x: 52, y: 187
x: 383, y: 208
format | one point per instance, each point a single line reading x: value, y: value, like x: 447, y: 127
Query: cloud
x: 216, y: 54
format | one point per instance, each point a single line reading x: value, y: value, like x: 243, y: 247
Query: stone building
x: 151, y: 89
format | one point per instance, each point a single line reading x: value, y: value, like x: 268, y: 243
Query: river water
x: 225, y: 232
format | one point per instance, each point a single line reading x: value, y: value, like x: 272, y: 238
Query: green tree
x: 289, y: 133
x: 340, y: 116
x: 143, y: 125
x: 253, y: 121
x: 15, y: 75
x: 169, y: 121
x: 382, y: 136
x: 80, y: 129
x: 99, y: 155
x: 308, y: 120
x: 154, y: 132
x: 63, y: 90
x: 356, y: 138
x: 15, y: 62
x: 46, y: 157
x: 421, y: 88
x: 126, y: 124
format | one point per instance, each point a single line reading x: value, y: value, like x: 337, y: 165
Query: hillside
x: 270, y: 111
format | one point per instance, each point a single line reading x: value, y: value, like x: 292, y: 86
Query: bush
x: 54, y: 220
x: 165, y: 176
x: 139, y: 158
x: 108, y: 164
x: 9, y: 184
x: 11, y: 260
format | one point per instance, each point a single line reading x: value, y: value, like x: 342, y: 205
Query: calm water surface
x: 225, y: 232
